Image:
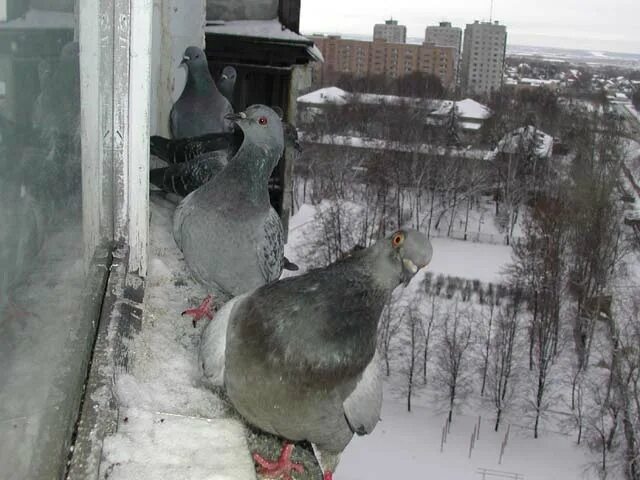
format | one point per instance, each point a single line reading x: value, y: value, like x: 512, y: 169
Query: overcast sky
x: 612, y: 25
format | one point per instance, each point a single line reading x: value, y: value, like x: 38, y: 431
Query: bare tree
x: 410, y: 352
x: 427, y: 325
x: 539, y: 269
x: 452, y: 361
x: 390, y: 323
x: 491, y: 307
x: 503, y: 353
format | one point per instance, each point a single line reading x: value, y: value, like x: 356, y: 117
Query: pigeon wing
x: 270, y: 248
x: 213, y: 344
x: 362, y: 406
x: 184, y: 178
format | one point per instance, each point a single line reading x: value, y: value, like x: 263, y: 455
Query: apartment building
x: 483, y: 56
x: 357, y: 57
x: 445, y: 35
x: 390, y: 31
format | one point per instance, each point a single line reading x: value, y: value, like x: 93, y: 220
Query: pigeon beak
x: 235, y: 117
x: 223, y: 77
x: 409, y: 269
x: 185, y: 59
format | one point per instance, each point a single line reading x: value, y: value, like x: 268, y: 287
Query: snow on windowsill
x: 169, y: 424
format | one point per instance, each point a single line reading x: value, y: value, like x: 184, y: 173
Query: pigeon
x: 185, y: 149
x: 55, y: 155
x: 227, y: 82
x: 201, y: 108
x: 184, y: 178
x: 231, y: 237
x: 297, y: 357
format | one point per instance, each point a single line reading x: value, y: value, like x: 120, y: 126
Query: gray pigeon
x: 227, y: 82
x: 201, y: 108
x: 297, y: 357
x: 231, y: 237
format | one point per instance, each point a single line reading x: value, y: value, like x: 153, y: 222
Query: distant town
x: 477, y: 63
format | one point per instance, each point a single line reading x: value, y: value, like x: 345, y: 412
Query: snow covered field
x: 407, y: 445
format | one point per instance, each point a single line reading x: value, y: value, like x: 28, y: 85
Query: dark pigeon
x: 201, y: 108
x: 186, y: 149
x: 231, y: 237
x: 297, y: 357
x: 227, y: 82
x: 184, y: 178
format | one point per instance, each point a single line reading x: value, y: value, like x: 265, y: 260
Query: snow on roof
x: 325, y: 95
x: 339, y: 96
x: 467, y: 108
x: 37, y: 19
x: 470, y: 125
x: 521, y: 137
x: 381, y: 144
x: 268, y: 29
x: 537, y: 82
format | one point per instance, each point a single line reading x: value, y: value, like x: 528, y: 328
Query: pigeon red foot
x: 204, y: 310
x: 327, y: 476
x: 281, y: 469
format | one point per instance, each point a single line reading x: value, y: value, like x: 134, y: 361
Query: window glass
x: 45, y: 329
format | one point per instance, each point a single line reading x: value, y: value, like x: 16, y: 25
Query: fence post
x: 473, y: 437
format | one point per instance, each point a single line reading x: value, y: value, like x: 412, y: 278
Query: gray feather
x: 363, y: 405
x: 269, y: 249
x: 299, y: 353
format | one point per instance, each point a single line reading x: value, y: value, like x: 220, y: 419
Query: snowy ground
x: 408, y: 445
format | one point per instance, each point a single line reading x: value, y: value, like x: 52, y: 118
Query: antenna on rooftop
x: 491, y: 12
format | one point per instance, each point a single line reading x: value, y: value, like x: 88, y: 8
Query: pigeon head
x: 228, y: 74
x: 262, y: 129
x: 194, y: 57
x: 413, y: 250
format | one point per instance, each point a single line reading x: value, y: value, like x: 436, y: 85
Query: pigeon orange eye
x: 262, y: 120
x: 397, y: 239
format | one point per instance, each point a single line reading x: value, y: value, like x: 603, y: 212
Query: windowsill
x: 46, y: 355
x: 145, y: 396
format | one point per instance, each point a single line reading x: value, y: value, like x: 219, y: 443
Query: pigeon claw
x: 280, y: 469
x: 204, y: 310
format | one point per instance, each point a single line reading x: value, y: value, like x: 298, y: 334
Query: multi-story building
x: 390, y: 31
x: 444, y: 35
x: 360, y: 58
x: 483, y: 57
